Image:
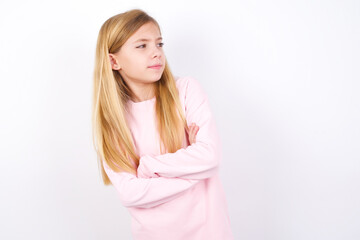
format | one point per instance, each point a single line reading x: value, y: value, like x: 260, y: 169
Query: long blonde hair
x: 112, y: 138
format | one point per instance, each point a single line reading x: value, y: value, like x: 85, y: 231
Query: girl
x: 165, y: 172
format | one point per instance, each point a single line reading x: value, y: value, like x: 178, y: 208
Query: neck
x: 144, y: 93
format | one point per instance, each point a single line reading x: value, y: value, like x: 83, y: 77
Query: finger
x: 191, y: 137
x: 192, y: 130
x: 189, y: 127
x: 191, y: 134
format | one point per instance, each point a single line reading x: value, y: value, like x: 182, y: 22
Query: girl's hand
x: 193, y: 130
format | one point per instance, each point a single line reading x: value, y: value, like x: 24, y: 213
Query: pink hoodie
x: 177, y: 196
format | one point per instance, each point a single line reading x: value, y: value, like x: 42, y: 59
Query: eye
x: 143, y: 45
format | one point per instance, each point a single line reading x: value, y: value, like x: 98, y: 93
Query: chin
x: 156, y: 77
x: 150, y: 80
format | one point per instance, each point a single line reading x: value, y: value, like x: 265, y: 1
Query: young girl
x: 165, y: 171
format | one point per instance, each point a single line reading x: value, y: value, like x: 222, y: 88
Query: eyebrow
x: 146, y: 40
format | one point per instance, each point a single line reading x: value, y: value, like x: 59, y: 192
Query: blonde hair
x: 112, y: 138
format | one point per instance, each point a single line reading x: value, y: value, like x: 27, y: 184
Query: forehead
x: 147, y: 31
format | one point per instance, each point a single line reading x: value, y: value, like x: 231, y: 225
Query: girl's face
x: 141, y: 51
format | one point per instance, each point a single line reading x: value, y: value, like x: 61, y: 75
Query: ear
x: 114, y: 62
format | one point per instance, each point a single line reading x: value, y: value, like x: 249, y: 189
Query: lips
x: 155, y: 66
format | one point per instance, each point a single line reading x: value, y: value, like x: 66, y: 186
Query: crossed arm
x: 164, y: 177
x: 199, y: 160
x: 146, y: 193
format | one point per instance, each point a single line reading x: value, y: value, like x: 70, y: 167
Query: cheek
x: 134, y: 63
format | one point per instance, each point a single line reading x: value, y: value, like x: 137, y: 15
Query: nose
x: 157, y: 52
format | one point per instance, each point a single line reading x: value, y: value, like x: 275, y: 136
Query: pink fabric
x: 177, y: 196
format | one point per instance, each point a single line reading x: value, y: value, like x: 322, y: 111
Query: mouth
x: 156, y: 66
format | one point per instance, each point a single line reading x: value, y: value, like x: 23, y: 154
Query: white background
x: 283, y: 81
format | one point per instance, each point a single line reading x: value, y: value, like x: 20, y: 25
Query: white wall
x: 283, y: 80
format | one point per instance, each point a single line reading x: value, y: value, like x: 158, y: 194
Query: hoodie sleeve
x: 146, y: 193
x: 197, y: 161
